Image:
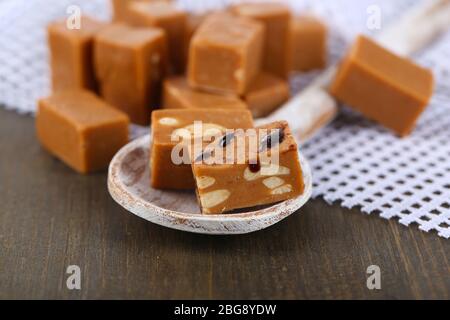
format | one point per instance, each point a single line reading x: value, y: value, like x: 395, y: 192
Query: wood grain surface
x: 51, y: 217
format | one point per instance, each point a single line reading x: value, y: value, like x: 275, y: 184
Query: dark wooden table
x: 51, y: 217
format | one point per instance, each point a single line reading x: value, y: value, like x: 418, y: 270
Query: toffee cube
x: 71, y: 54
x: 80, y: 129
x: 266, y: 94
x: 276, y: 18
x: 193, y: 22
x: 168, y: 17
x: 168, y: 129
x: 308, y: 43
x: 130, y: 64
x: 225, y: 54
x: 179, y: 95
x: 384, y: 87
x: 121, y: 8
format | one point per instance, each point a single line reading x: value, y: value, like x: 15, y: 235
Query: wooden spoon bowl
x: 129, y: 185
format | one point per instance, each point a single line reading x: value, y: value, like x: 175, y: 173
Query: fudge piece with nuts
x: 263, y: 161
x: 170, y: 167
x: 130, y: 64
x: 179, y: 95
x: 225, y: 54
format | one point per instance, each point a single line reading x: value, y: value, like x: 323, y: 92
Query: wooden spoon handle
x: 417, y: 28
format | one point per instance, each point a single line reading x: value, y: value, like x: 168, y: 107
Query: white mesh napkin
x: 356, y: 163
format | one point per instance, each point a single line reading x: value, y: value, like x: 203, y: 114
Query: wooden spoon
x: 129, y: 185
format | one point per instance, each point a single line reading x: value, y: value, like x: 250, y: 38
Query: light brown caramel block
x: 130, y: 64
x: 276, y: 18
x: 165, y: 174
x: 121, y: 8
x: 168, y: 17
x: 179, y: 95
x: 71, y: 54
x: 266, y: 94
x: 80, y: 129
x: 225, y: 54
x: 309, y: 43
x: 387, y: 88
x: 193, y: 22
x: 249, y: 183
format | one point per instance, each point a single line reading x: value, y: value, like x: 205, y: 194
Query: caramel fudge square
x: 168, y: 128
x: 225, y: 54
x: 387, y: 88
x: 223, y: 187
x: 130, y: 64
x: 71, y: 54
x: 121, y: 9
x: 193, y: 22
x: 276, y: 17
x: 172, y: 20
x: 81, y: 129
x: 179, y: 95
x: 266, y: 94
x: 308, y: 43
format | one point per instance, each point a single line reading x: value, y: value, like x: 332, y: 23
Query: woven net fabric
x: 356, y: 163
